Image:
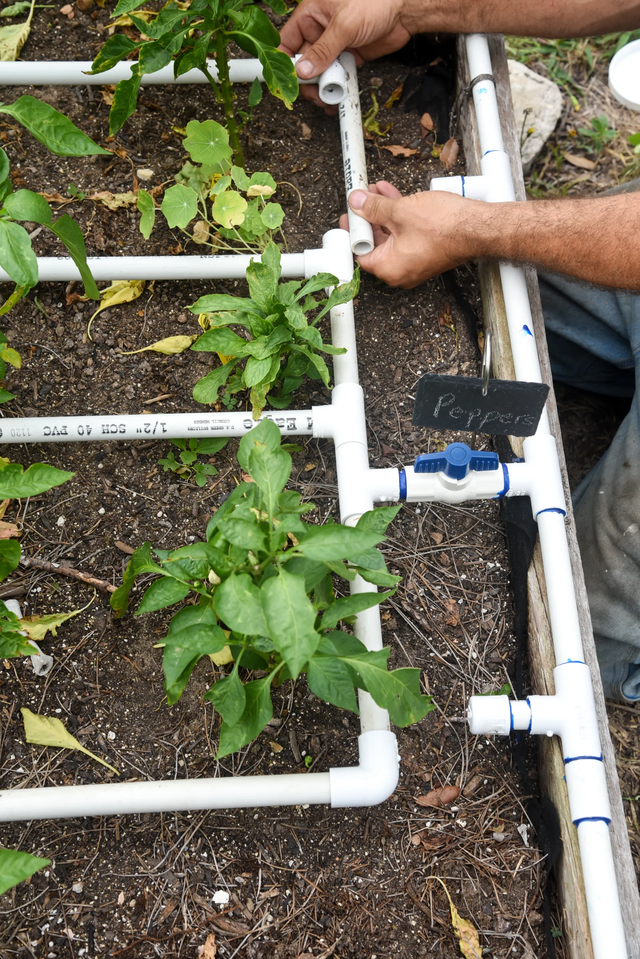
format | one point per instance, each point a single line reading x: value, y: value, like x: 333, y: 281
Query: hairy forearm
x: 593, y: 240
x: 546, y: 18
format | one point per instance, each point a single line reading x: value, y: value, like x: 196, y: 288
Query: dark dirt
x: 354, y: 884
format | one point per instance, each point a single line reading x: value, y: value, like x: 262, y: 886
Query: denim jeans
x: 594, y: 342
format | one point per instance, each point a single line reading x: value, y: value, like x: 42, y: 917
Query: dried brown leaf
x: 307, y: 132
x: 426, y: 123
x: 209, y: 950
x: 399, y: 151
x: 439, y: 797
x: 7, y: 530
x: 436, y: 537
x: 124, y: 548
x: 581, y: 162
x: 449, y: 153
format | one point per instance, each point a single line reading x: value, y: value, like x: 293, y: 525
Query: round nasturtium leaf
x: 229, y: 208
x: 179, y: 206
x: 219, y: 185
x: 272, y: 216
x: 207, y: 142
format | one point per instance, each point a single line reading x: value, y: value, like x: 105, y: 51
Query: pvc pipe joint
x: 494, y: 185
x: 438, y: 487
x: 374, y: 779
x: 571, y: 715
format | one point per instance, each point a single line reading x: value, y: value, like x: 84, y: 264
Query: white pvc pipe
x: 113, y: 799
x: 600, y: 884
x: 218, y: 267
x: 353, y: 155
x: 331, y: 84
x: 79, y: 429
x: 571, y: 713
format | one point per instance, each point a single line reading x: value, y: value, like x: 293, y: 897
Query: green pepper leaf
x: 147, y: 210
x: 51, y: 128
x: 16, y: 255
x: 256, y: 714
x: 162, y: 593
x: 124, y: 104
x: 228, y: 697
x: 16, y: 866
x: 351, y: 606
x: 238, y: 604
x: 290, y: 619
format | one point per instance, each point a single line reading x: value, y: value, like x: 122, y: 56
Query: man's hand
x: 416, y: 237
x: 322, y: 29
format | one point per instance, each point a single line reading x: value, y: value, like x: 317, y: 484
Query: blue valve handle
x: 456, y: 461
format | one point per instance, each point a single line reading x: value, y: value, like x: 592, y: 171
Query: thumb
x: 373, y: 207
x: 324, y: 51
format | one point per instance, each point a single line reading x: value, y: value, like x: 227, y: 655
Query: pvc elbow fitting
x: 374, y: 779
x: 334, y: 257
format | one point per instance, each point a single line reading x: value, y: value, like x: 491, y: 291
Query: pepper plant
x: 17, y: 258
x: 188, y: 36
x: 263, y: 591
x: 15, y: 865
x: 209, y: 190
x: 283, y: 346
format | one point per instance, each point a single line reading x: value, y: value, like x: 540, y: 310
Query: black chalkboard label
x: 456, y: 403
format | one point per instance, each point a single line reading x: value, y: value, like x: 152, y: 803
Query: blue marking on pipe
x: 462, y: 179
x: 402, y: 478
x: 510, y: 717
x: 488, y: 151
x: 577, y: 822
x: 530, y: 715
x: 507, y: 482
x: 580, y: 662
x: 553, y: 509
x: 525, y: 329
x: 573, y: 759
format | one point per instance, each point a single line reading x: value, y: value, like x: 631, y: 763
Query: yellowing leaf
x: 120, y: 291
x: 397, y: 93
x: 467, y: 934
x: 258, y: 189
x: 37, y: 627
x: 12, y: 357
x: 169, y: 346
x: 49, y: 731
x: 124, y: 20
x: 369, y: 121
x: 222, y: 657
x: 13, y: 38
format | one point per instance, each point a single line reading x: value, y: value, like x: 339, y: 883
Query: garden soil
x: 300, y: 882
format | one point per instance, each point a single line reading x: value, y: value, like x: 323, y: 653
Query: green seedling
x: 283, y: 346
x: 596, y: 136
x: 634, y: 141
x: 188, y: 37
x: 213, y: 201
x: 264, y: 588
x: 188, y: 465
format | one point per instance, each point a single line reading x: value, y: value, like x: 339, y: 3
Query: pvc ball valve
x: 456, y: 461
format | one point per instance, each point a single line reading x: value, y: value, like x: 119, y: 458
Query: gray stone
x: 537, y: 104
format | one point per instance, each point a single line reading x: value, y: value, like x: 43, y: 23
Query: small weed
x: 596, y: 136
x: 188, y: 465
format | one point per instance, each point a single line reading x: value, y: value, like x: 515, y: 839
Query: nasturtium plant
x: 283, y: 345
x: 190, y: 34
x: 262, y: 590
x: 209, y: 190
x: 188, y: 466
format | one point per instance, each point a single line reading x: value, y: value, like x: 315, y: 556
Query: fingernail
x: 357, y: 199
x: 305, y: 69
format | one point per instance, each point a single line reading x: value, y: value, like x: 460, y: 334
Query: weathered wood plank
x: 576, y: 937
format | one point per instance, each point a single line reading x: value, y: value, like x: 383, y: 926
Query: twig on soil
x: 37, y: 563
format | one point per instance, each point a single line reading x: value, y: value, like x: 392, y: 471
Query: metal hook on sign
x: 486, y: 362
